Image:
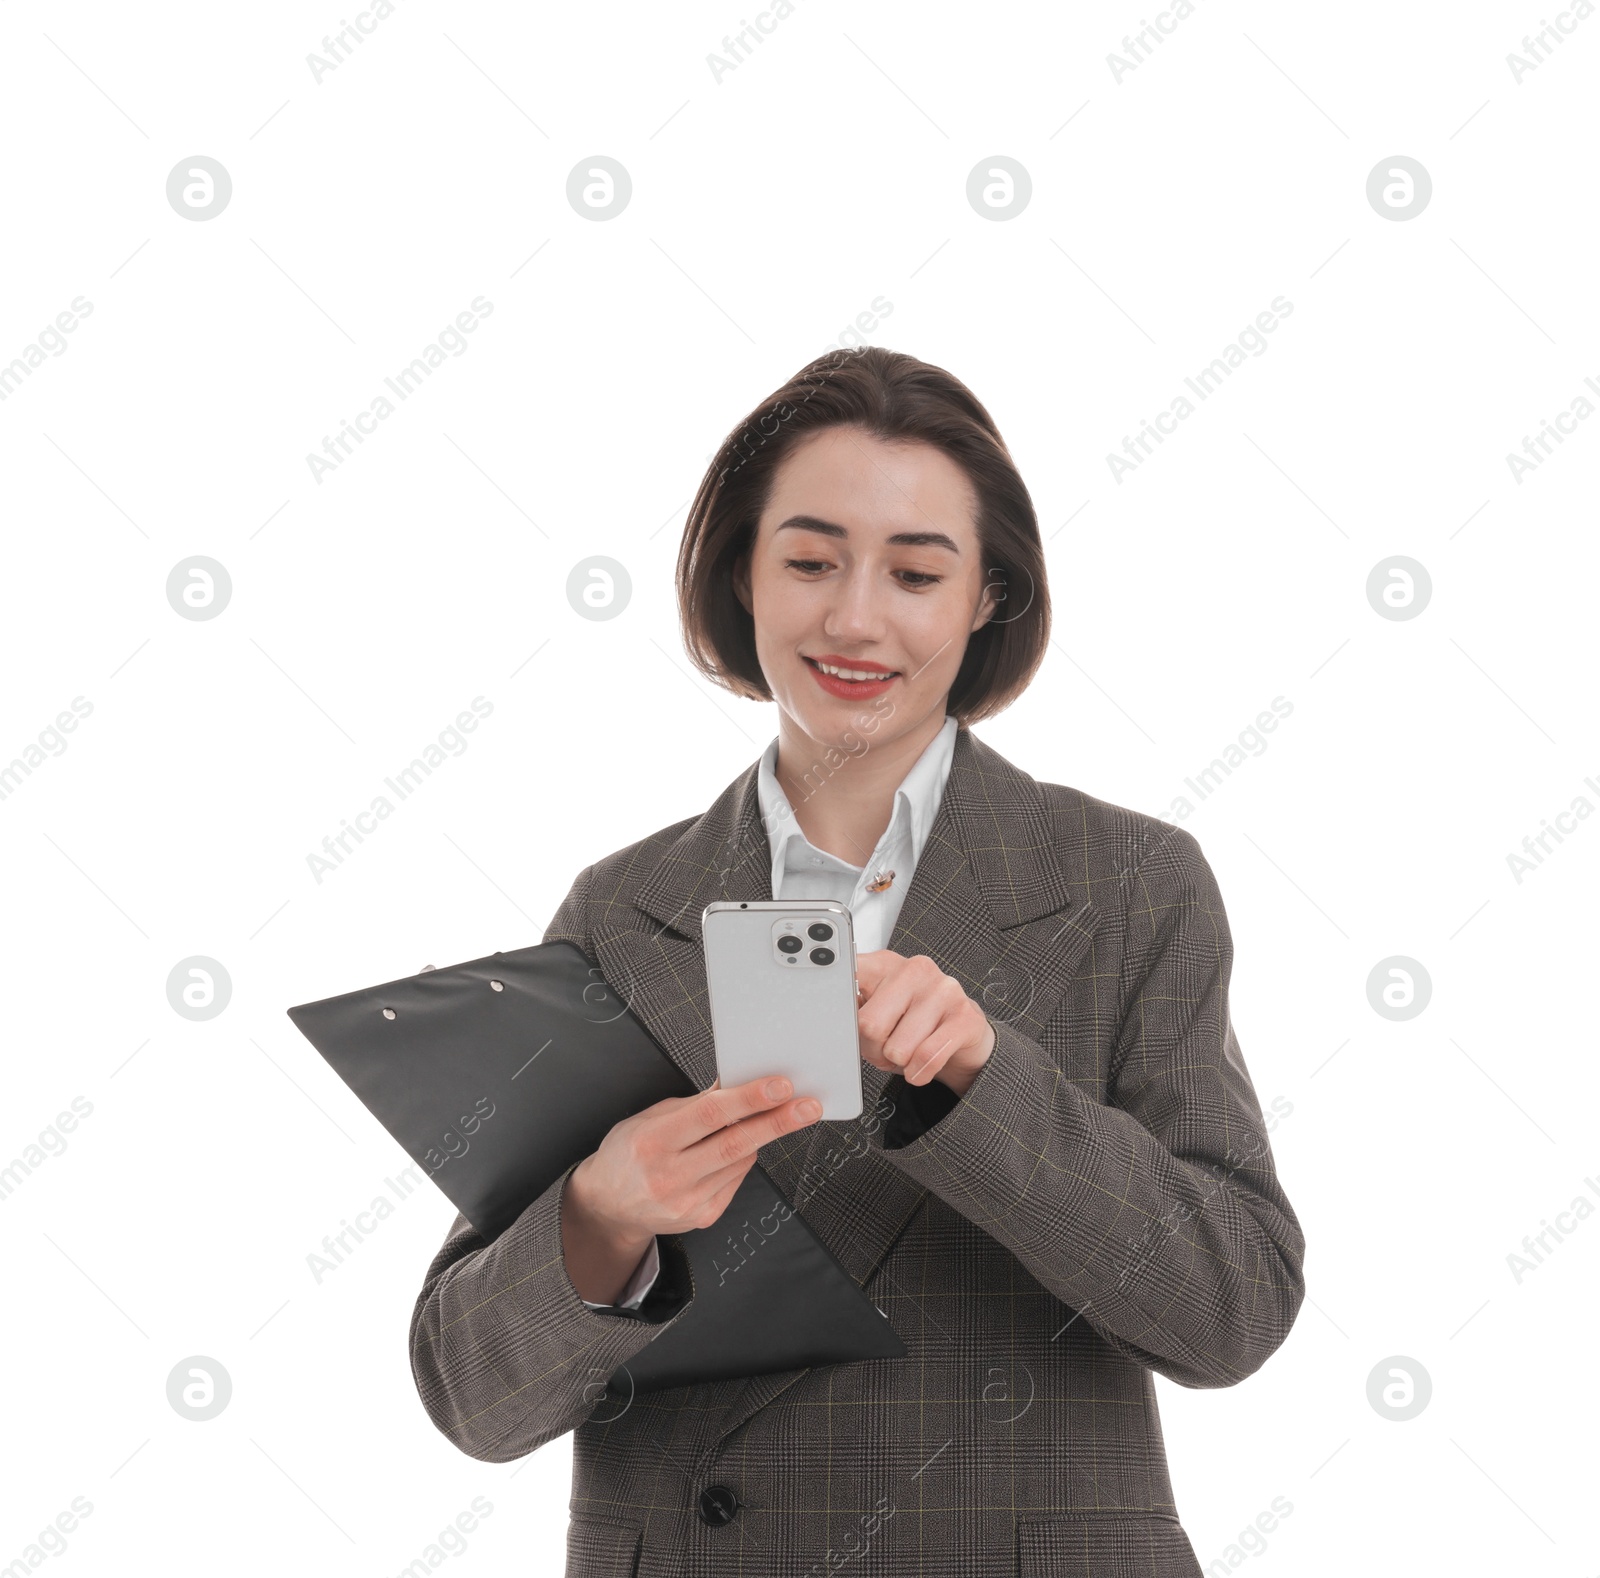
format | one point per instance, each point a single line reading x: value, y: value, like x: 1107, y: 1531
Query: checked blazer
x: 1101, y: 1204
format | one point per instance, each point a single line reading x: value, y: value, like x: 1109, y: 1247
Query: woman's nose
x: 855, y: 611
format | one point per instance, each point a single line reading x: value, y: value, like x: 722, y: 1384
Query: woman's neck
x: 843, y: 809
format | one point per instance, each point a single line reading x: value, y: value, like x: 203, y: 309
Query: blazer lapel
x: 659, y: 970
x: 991, y: 902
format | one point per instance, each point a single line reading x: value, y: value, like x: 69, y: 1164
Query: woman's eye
x: 916, y: 578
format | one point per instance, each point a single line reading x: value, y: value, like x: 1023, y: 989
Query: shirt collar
x: 916, y: 801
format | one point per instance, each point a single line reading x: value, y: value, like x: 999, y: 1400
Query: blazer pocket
x: 596, y: 1549
x: 1105, y: 1547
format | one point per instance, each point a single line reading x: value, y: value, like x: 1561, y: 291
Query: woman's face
x: 867, y: 558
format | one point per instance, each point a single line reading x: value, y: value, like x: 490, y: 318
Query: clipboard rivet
x: 388, y: 1013
x: 497, y: 986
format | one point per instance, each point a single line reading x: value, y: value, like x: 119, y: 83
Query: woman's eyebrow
x: 908, y: 539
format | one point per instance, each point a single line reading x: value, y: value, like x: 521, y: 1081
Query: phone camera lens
x: 789, y: 944
x: 820, y: 932
x: 822, y: 955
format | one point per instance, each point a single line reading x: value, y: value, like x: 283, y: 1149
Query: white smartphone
x: 782, y: 980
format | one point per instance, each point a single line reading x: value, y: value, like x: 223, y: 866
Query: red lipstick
x: 850, y: 689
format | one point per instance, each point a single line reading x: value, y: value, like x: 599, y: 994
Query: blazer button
x: 718, y: 1505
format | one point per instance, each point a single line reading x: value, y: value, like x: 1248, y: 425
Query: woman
x: 1060, y: 1182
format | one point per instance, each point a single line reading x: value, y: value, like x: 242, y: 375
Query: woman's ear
x: 988, y: 602
x: 741, y: 581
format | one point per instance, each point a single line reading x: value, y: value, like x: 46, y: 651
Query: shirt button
x: 717, y: 1505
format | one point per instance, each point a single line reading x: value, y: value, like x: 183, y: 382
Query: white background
x: 769, y: 209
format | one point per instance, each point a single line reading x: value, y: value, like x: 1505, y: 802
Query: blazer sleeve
x: 1156, y: 1214
x: 505, y: 1353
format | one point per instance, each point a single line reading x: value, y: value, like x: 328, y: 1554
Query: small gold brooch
x: 883, y: 880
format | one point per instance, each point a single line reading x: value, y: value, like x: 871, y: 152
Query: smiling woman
x: 878, y: 527
x: 874, y: 463
x: 1064, y: 1186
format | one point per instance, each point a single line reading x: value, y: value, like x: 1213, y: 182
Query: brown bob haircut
x: 899, y: 399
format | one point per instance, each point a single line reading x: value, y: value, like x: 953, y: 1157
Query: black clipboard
x: 497, y: 1075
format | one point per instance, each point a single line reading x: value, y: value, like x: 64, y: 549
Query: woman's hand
x: 673, y: 1167
x: 917, y: 1021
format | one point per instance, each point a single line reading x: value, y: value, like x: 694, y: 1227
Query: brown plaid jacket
x: 1100, y: 1204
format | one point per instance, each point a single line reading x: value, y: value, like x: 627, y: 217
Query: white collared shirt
x: 802, y: 871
